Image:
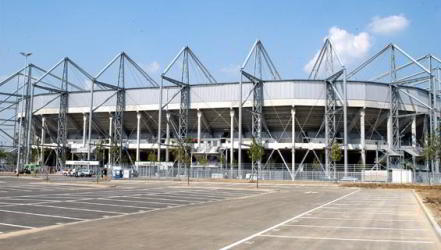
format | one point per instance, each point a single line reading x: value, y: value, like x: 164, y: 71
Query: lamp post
x: 26, y: 55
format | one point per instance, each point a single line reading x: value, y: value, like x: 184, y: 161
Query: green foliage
x: 3, y: 154
x: 335, y: 152
x: 151, y: 156
x: 432, y: 147
x: 114, y: 150
x: 255, y: 152
x: 202, y: 160
x: 315, y: 164
x: 182, y: 154
x: 100, y: 151
x: 222, y: 159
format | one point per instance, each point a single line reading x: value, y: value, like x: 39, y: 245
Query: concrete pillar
x: 293, y: 141
x: 138, y: 134
x: 389, y: 132
x: 363, y: 136
x: 199, y: 127
x: 231, y: 140
x: 84, y: 129
x: 414, y: 141
x: 43, y: 138
x: 110, y: 135
x: 167, y: 139
x: 413, y: 131
x: 426, y: 138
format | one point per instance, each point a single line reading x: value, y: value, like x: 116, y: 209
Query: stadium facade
x: 378, y: 120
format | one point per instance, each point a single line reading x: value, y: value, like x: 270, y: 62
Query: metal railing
x: 275, y: 172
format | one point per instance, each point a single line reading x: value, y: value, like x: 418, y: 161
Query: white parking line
x: 147, y: 202
x: 79, y: 209
x: 42, y: 215
x: 395, y: 214
x: 15, y: 225
x: 112, y: 205
x: 184, y: 196
x: 173, y: 199
x: 367, y: 209
x: 335, y: 218
x: 374, y: 205
x: 286, y: 221
x: 347, y: 239
x: 363, y: 228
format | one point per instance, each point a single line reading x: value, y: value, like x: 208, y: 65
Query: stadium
x: 379, y: 114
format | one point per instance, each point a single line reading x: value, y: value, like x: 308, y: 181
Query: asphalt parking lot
x: 363, y: 219
x: 170, y: 215
x: 28, y: 204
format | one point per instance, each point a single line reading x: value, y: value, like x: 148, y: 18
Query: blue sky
x: 219, y: 32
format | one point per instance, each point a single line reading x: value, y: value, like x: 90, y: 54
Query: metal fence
x: 382, y: 176
x: 365, y: 174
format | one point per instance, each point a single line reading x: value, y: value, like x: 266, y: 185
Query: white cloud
x: 347, y: 45
x: 388, y: 25
x: 152, y: 68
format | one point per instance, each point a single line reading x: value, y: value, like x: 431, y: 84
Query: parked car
x: 84, y: 173
x: 65, y: 172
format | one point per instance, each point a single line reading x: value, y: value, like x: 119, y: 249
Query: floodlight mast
x: 20, y: 128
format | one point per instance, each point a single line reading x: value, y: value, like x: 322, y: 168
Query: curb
x: 429, y: 215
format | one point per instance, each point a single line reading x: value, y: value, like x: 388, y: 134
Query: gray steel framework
x: 426, y: 71
x: 330, y: 66
x: 188, y: 58
x: 261, y: 58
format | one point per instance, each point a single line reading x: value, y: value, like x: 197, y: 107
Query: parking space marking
x: 347, y: 239
x: 335, y: 218
x: 338, y: 212
x: 367, y: 209
x: 286, y: 221
x: 79, y: 209
x: 42, y: 215
x: 68, y: 201
x: 362, y: 228
x: 130, y: 201
x: 112, y: 205
x: 15, y: 225
x: 144, y: 201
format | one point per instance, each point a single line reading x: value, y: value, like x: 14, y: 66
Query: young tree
x: 255, y: 152
x: 182, y: 154
x: 151, y: 157
x: 222, y: 159
x: 335, y: 152
x: 100, y: 151
x: 3, y: 155
x: 114, y: 150
x: 315, y: 165
x: 432, y: 147
x: 335, y: 156
x: 99, y: 155
x: 202, y: 160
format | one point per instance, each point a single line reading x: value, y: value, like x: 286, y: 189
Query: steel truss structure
x: 257, y: 59
x: 336, y: 102
x: 44, y: 99
x: 183, y: 60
